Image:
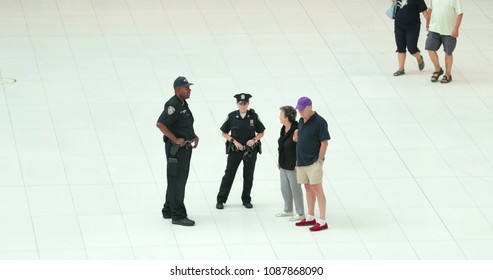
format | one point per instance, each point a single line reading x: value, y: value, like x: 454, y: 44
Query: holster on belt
x: 175, y: 147
x: 230, y: 147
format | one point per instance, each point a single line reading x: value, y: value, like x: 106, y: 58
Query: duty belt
x: 175, y: 147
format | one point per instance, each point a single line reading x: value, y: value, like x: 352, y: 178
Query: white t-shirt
x: 444, y: 15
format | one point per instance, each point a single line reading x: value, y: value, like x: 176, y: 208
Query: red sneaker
x: 304, y: 222
x: 317, y: 227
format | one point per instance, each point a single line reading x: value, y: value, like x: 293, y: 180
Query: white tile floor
x: 409, y: 171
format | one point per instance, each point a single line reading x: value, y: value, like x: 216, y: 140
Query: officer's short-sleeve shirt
x: 178, y: 118
x: 243, y: 129
x: 310, y: 136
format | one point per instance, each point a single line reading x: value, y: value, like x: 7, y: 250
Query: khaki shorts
x: 311, y: 174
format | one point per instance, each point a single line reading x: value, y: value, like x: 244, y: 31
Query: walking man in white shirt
x: 445, y: 17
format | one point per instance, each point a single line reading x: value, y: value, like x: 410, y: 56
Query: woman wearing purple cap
x: 313, y: 135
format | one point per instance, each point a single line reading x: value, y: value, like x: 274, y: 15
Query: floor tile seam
x: 259, y: 54
x: 104, y: 36
x: 343, y: 207
x: 31, y: 217
x: 210, y: 111
x: 305, y: 70
x: 58, y: 145
x: 402, y: 159
x: 275, y: 85
x: 64, y: 168
x: 112, y: 183
x: 388, y: 139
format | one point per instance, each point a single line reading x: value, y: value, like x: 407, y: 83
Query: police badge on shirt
x: 171, y: 110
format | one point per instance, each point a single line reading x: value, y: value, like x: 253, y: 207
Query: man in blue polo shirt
x: 313, y: 135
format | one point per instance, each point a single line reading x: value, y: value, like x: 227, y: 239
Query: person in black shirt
x: 407, y: 24
x: 242, y: 130
x: 290, y: 188
x: 176, y: 124
x: 313, y: 140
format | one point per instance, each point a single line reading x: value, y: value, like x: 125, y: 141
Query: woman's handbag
x: 391, y: 11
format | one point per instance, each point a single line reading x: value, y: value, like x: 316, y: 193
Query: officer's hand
x: 180, y: 141
x: 195, y: 142
x: 239, y: 146
x: 250, y: 143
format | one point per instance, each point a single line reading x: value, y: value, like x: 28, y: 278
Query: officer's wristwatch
x: 231, y: 140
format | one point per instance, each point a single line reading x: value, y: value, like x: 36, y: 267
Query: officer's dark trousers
x: 234, y: 160
x: 178, y: 167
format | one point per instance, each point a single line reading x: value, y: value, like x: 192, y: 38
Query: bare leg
x: 417, y: 55
x: 402, y: 60
x: 434, y: 60
x: 449, y: 59
x: 436, y: 63
x: 310, y: 199
x: 319, y: 193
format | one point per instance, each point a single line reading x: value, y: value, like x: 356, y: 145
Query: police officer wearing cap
x: 242, y: 130
x: 176, y: 124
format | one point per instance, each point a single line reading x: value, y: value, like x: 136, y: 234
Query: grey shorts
x: 435, y: 40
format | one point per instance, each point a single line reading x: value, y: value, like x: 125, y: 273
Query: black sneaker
x: 184, y: 222
x: 219, y: 205
x: 247, y: 205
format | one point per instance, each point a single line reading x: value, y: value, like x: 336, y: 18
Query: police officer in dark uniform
x: 242, y: 131
x: 176, y: 124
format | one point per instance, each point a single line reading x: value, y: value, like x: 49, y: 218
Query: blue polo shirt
x: 310, y: 135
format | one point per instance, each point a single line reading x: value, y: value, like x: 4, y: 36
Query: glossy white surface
x: 409, y: 171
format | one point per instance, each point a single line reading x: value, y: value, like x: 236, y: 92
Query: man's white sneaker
x: 297, y: 217
x: 284, y: 214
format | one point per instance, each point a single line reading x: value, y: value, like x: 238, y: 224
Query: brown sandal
x: 446, y: 80
x: 436, y: 75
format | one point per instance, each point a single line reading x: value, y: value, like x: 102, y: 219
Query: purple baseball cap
x: 303, y: 102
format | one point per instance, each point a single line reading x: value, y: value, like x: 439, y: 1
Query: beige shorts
x: 311, y: 174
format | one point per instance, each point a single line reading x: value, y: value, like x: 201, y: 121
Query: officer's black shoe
x: 219, y: 205
x: 166, y: 215
x: 247, y: 205
x: 183, y: 222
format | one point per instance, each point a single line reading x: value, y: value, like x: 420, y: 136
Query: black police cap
x: 181, y: 81
x: 242, y: 98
